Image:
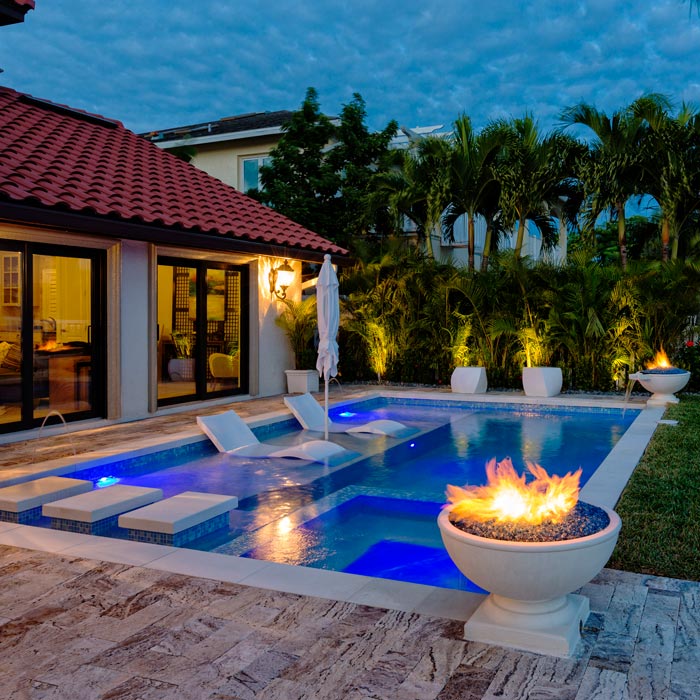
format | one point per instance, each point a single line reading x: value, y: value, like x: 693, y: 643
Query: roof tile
x: 67, y: 158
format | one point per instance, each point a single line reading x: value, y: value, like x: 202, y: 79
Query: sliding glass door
x: 201, y: 322
x: 51, y: 341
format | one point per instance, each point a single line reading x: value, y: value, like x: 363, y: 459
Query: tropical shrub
x: 410, y: 319
x: 298, y: 321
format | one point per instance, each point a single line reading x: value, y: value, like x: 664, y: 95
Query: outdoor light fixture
x: 280, y: 279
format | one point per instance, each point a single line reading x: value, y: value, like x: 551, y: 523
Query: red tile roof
x: 66, y: 159
x: 12, y: 11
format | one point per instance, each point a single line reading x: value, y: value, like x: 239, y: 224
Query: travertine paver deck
x: 78, y: 628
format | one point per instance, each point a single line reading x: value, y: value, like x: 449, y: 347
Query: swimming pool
x: 376, y: 514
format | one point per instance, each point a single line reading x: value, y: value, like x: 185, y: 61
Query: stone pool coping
x: 603, y: 488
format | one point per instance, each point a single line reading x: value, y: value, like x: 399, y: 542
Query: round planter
x: 181, y: 369
x: 662, y: 386
x: 469, y: 380
x: 542, y: 381
x: 530, y: 605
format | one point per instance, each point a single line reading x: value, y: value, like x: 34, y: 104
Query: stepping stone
x: 96, y: 513
x: 21, y: 503
x: 180, y: 519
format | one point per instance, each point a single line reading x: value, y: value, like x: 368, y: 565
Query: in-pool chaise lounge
x: 231, y: 434
x: 311, y: 415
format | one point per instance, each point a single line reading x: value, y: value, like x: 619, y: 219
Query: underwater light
x: 413, y: 444
x: 347, y: 414
x: 106, y: 481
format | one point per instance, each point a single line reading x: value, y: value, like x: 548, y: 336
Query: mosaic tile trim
x: 264, y: 432
x: 183, y: 537
x: 491, y: 406
x: 23, y: 517
x: 99, y: 527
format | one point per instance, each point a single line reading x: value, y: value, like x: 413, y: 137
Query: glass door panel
x: 62, y: 326
x: 11, y: 337
x: 223, y: 287
x: 200, y: 330
x: 177, y: 317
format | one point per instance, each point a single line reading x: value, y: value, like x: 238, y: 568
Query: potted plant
x: 181, y: 367
x: 467, y: 378
x: 298, y: 321
x: 539, y: 379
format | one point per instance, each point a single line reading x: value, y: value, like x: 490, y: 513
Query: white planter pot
x: 662, y: 386
x: 530, y: 605
x: 469, y: 380
x: 301, y: 381
x: 542, y: 381
x: 181, y: 369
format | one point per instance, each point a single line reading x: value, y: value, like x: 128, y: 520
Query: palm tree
x: 472, y: 180
x: 671, y: 166
x: 610, y: 173
x: 530, y: 168
x: 416, y: 187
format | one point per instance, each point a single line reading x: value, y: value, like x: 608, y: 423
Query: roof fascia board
x: 216, y: 138
x: 104, y: 226
x: 231, y: 136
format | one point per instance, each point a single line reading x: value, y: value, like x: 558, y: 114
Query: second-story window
x: 251, y: 172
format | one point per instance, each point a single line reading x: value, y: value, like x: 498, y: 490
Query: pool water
x: 377, y: 515
x: 375, y: 536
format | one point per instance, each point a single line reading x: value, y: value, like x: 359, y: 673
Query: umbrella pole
x: 326, y: 395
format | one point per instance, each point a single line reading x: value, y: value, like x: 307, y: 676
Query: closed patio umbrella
x: 328, y: 310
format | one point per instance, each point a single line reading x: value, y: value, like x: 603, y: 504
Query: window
x: 10, y: 279
x: 251, y: 172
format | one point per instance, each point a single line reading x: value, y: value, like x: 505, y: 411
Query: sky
x: 167, y: 63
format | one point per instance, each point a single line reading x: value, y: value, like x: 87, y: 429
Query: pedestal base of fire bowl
x: 551, y: 627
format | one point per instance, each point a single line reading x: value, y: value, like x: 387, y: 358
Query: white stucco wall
x: 274, y: 352
x: 223, y: 160
x: 270, y: 352
x: 134, y: 370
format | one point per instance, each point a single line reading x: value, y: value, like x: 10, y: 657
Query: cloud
x: 169, y: 63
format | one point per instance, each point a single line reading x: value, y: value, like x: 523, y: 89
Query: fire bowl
x: 530, y: 605
x: 662, y: 384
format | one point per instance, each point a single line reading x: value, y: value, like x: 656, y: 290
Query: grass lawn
x: 660, y: 507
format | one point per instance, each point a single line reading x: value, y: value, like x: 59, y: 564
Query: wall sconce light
x: 280, y: 279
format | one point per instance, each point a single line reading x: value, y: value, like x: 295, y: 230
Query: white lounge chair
x: 311, y: 415
x: 231, y: 434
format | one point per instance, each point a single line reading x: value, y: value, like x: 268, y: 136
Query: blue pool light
x: 413, y: 444
x: 106, y: 481
x: 347, y: 414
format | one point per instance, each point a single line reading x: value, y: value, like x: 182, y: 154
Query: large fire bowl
x: 530, y: 605
x: 662, y: 383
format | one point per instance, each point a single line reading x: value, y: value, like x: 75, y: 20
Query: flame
x: 48, y: 345
x: 660, y: 361
x: 507, y: 498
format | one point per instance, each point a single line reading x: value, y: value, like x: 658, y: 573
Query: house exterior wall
x: 275, y: 352
x: 131, y: 301
x: 134, y: 367
x: 224, y: 159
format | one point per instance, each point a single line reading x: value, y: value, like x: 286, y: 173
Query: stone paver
x: 88, y: 629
